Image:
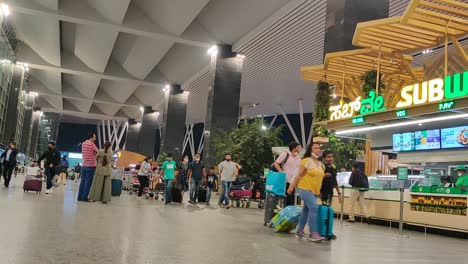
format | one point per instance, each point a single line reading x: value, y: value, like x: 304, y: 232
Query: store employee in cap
x: 462, y: 181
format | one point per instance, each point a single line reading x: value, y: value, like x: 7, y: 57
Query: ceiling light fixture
x: 5, y: 9
x: 167, y: 88
x: 264, y: 127
x: 186, y: 92
x: 240, y: 56
x: 402, y: 124
x: 213, y: 50
x: 427, y: 51
x: 142, y: 109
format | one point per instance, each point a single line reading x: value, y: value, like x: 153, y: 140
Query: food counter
x: 433, y: 210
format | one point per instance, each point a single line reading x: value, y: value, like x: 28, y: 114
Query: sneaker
x: 227, y: 207
x: 315, y: 237
x: 349, y: 221
x: 47, y: 192
x: 207, y: 204
x: 301, y: 235
x: 51, y: 191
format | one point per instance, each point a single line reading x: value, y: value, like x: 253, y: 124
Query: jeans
x: 208, y: 194
x: 7, y: 171
x: 224, y: 197
x: 87, y: 175
x: 194, y: 189
x: 289, y: 197
x: 143, y: 183
x: 309, y: 211
x: 50, y: 173
x: 168, y: 186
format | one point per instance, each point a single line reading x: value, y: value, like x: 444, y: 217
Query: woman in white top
x: 145, y: 170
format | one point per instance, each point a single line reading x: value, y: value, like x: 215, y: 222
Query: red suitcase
x: 240, y: 193
x: 34, y: 185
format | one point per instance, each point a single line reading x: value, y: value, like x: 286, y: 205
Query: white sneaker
x: 47, y: 192
x: 51, y: 191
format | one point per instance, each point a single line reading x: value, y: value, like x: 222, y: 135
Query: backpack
x: 273, y: 168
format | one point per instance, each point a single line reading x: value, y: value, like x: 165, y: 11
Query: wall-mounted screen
x: 427, y: 139
x: 455, y: 137
x: 403, y: 142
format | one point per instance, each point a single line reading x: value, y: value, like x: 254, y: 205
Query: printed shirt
x: 312, y: 180
x: 211, y: 179
x: 169, y: 169
x: 89, y: 151
x: 291, y: 167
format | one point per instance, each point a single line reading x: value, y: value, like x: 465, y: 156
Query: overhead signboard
x: 436, y: 90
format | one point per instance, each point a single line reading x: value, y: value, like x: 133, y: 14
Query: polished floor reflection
x: 39, y: 228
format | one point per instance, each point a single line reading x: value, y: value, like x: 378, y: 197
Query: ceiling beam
x: 83, y: 115
x: 36, y: 10
x: 88, y: 99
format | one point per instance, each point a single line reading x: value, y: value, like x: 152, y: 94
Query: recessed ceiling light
x: 240, y: 56
x: 5, y: 9
x: 213, y: 50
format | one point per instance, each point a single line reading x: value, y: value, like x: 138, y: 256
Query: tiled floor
x: 39, y: 228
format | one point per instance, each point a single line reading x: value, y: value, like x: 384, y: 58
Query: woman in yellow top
x: 308, y: 182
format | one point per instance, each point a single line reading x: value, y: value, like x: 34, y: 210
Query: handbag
x: 273, y: 168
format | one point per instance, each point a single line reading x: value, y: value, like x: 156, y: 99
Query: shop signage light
x: 401, y: 113
x: 446, y: 105
x: 359, y: 120
x: 452, y: 87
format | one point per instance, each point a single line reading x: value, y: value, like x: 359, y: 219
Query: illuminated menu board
x: 427, y: 139
x: 455, y: 137
x: 403, y: 142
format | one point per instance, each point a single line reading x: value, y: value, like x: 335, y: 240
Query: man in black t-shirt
x: 196, y: 177
x: 329, y: 181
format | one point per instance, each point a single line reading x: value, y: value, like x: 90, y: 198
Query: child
x: 211, y: 182
x: 330, y: 181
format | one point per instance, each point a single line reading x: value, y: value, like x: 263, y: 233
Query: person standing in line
x: 227, y: 170
x: 52, y: 161
x: 64, y: 170
x: 77, y: 171
x: 289, y: 163
x: 89, y: 151
x: 309, y: 181
x: 168, y: 170
x: 358, y: 180
x: 196, y: 177
x: 9, y: 162
x: 211, y: 182
x: 101, y: 189
x: 182, y: 177
x: 143, y: 173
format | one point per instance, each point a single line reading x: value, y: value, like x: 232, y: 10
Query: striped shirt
x: 89, y: 151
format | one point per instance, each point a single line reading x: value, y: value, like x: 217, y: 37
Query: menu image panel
x: 403, y: 142
x: 455, y: 137
x: 427, y: 139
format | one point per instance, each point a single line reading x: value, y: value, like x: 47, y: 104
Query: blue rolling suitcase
x: 287, y: 219
x: 116, y: 187
x: 325, y: 221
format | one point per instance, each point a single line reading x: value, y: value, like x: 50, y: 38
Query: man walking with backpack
x: 358, y: 180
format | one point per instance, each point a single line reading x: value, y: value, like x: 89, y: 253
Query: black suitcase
x: 271, y: 201
x: 176, y: 194
x: 201, y: 195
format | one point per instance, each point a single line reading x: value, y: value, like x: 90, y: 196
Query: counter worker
x: 462, y: 181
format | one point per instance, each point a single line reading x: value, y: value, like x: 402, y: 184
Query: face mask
x: 315, y: 156
x: 460, y: 174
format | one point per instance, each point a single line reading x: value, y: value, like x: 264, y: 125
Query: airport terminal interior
x: 233, y: 131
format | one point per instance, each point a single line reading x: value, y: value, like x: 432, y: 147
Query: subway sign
x: 436, y: 90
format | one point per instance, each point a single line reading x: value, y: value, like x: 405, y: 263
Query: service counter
x: 439, y: 211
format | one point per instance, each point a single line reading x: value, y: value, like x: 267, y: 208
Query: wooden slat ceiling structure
x: 425, y: 24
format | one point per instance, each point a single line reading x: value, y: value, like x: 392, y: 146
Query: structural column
x: 36, y: 119
x: 11, y: 120
x: 148, y: 129
x: 223, y: 99
x: 133, y: 133
x: 27, y: 124
x: 173, y: 125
